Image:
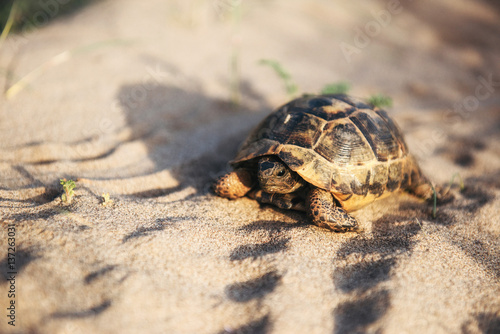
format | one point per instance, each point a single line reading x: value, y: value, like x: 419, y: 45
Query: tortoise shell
x: 337, y: 143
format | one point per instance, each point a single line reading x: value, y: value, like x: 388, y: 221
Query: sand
x: 134, y: 99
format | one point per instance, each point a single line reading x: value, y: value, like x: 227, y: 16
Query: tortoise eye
x: 281, y: 172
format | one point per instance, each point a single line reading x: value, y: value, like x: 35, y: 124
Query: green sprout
x: 380, y: 101
x: 290, y: 86
x: 68, y: 187
x: 106, y: 200
x: 419, y: 224
x: 460, y: 181
x: 341, y: 87
x: 446, y: 190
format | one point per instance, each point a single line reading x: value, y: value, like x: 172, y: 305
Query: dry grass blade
x: 24, y: 81
x: 8, y: 25
x: 52, y: 62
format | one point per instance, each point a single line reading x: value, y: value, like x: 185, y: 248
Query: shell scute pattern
x: 336, y: 143
x: 397, y: 135
x: 379, y: 181
x: 395, y: 175
x: 329, y: 110
x: 307, y: 129
x: 351, y: 100
x: 383, y: 141
x: 343, y: 144
x: 294, y: 161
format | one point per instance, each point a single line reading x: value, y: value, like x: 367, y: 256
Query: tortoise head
x: 275, y: 177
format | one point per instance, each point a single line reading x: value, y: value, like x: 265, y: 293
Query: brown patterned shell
x: 337, y: 143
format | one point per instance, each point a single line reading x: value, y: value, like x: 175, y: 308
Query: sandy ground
x: 132, y: 99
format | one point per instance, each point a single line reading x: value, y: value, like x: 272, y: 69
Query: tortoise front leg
x: 323, y: 212
x: 234, y: 185
x: 283, y: 201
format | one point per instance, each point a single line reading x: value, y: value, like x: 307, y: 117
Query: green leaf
x: 290, y: 86
x: 380, y: 101
x: 336, y: 88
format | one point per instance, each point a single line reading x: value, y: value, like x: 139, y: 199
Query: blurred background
x: 147, y: 101
x: 361, y: 43
x: 99, y: 75
x: 24, y: 10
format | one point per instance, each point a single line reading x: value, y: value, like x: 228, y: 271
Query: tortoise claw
x: 324, y: 213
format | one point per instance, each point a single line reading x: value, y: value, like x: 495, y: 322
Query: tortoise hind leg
x: 323, y: 212
x: 234, y: 185
x: 423, y: 188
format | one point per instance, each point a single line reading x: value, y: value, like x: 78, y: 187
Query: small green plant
x: 336, y: 88
x: 420, y: 225
x: 106, y: 200
x: 290, y: 86
x: 380, y: 101
x: 446, y: 190
x: 460, y: 181
x: 68, y: 187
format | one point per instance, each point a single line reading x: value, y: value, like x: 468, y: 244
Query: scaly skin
x: 283, y: 201
x: 234, y: 185
x: 323, y: 212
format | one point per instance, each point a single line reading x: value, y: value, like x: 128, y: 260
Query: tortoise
x: 327, y: 155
